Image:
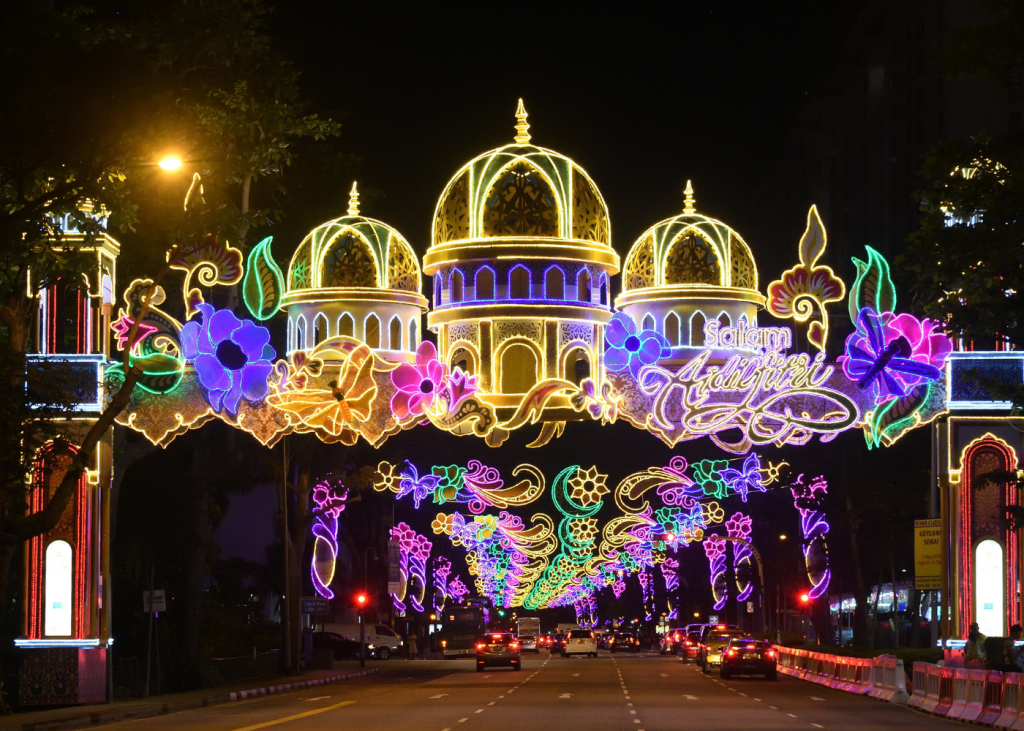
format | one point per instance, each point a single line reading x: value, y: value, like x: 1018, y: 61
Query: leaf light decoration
x: 263, y: 285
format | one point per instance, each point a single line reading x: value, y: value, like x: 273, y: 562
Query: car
x: 557, y: 643
x: 690, y: 646
x: 671, y: 641
x: 528, y: 643
x: 543, y: 643
x: 624, y: 642
x: 705, y: 630
x: 713, y: 647
x: 580, y: 642
x: 498, y: 649
x: 749, y: 656
x: 341, y: 647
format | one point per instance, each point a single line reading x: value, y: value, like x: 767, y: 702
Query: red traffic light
x: 804, y: 598
x: 361, y: 599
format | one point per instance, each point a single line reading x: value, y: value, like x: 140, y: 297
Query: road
x: 622, y: 692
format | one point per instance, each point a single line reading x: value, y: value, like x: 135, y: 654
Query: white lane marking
x: 691, y: 697
x: 463, y: 720
x: 565, y: 695
x: 318, y: 698
x: 664, y: 675
x: 491, y: 703
x: 817, y: 726
x: 816, y: 698
x: 791, y: 715
x: 627, y: 697
x: 636, y: 720
x: 773, y: 708
x: 630, y: 705
x: 435, y: 697
x: 733, y: 690
x: 632, y: 713
x: 575, y: 675
x: 758, y: 700
x: 743, y: 694
x: 501, y: 696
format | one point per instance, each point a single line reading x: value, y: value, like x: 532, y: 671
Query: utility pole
x: 760, y: 572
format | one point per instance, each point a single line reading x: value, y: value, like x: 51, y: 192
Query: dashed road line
x: 791, y: 715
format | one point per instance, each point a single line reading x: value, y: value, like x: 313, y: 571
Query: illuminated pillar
x: 486, y: 360
x: 67, y: 582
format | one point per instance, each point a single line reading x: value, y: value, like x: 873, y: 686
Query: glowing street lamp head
x: 170, y: 163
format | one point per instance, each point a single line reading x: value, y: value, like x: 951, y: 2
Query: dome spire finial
x: 688, y: 200
x: 353, y: 200
x: 522, y: 135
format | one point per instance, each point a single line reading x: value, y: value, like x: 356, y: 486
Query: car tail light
x: 481, y: 646
x: 731, y: 653
x: 770, y: 653
x: 676, y: 637
x: 514, y: 645
x: 689, y: 644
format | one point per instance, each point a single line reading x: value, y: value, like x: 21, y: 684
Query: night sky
x: 642, y: 100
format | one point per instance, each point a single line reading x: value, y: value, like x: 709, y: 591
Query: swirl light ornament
x: 714, y: 549
x: 739, y: 527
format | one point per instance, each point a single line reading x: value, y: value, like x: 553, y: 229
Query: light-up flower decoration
x: 588, y: 486
x: 457, y: 590
x: 808, y: 498
x: 603, y: 406
x: 890, y: 354
x: 233, y: 357
x: 739, y: 526
x: 418, y: 385
x: 329, y: 498
x: 807, y: 287
x: 708, y: 474
x: 629, y: 349
x: 714, y: 549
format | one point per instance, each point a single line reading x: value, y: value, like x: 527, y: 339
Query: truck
x: 529, y: 626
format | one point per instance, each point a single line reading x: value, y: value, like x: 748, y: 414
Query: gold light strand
x: 353, y: 200
x: 522, y: 134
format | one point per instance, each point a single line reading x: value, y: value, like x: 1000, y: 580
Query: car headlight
x: 369, y: 647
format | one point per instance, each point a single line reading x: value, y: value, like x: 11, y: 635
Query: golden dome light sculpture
x: 521, y: 258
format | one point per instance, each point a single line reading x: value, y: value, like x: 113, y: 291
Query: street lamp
x: 170, y: 163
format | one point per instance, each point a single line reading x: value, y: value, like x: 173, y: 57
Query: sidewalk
x: 75, y: 717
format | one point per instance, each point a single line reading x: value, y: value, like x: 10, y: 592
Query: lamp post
x: 361, y: 601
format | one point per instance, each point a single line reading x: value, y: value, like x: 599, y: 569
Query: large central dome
x: 521, y: 258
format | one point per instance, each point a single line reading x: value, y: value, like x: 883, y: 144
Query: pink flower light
x: 418, y: 385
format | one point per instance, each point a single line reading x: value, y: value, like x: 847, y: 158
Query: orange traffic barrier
x: 920, y: 685
x: 977, y: 682
x: 946, y: 689
x: 961, y: 681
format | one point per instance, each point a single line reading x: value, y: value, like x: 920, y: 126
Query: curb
x: 100, y: 717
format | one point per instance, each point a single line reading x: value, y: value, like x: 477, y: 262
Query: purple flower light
x: 890, y: 354
x: 232, y: 356
x: 630, y: 349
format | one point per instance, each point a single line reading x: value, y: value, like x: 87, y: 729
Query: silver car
x: 528, y: 643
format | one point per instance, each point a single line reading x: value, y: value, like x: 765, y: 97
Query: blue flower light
x: 232, y: 357
x: 630, y: 349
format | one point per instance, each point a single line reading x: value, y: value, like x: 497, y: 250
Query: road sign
x: 394, y: 568
x: 927, y: 554
x: 159, y: 601
x: 315, y: 605
x: 713, y: 619
x: 750, y: 607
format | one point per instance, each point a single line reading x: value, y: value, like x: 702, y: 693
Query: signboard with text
x: 315, y: 605
x: 927, y: 554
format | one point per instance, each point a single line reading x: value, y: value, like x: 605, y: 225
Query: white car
x: 580, y: 642
x: 528, y: 643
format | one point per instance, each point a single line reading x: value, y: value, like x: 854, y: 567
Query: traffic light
x: 360, y: 600
x: 501, y: 612
x: 805, y: 599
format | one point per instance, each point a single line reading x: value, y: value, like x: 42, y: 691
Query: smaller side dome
x: 354, y: 251
x: 355, y: 277
x: 690, y: 249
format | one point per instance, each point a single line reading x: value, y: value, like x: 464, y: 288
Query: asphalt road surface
x: 622, y: 692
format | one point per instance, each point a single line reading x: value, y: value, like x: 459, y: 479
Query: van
x: 380, y: 638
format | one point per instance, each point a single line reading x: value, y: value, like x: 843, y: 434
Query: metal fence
x: 246, y: 667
